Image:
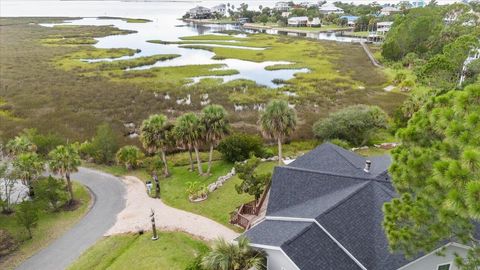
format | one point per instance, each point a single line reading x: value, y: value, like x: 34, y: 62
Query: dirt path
x: 135, y: 216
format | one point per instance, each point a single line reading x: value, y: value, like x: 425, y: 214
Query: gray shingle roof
x: 267, y: 232
x: 313, y: 249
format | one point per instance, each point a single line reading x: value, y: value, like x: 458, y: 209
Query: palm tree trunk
x: 164, y: 159
x: 69, y: 187
x: 210, y: 156
x: 279, y: 140
x: 199, y: 163
x: 191, y: 159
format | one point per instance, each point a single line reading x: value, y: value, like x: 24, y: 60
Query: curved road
x: 109, y: 200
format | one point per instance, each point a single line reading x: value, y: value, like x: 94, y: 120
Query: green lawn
x: 50, y: 227
x: 173, y: 250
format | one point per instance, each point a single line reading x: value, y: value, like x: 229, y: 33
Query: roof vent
x: 368, y: 164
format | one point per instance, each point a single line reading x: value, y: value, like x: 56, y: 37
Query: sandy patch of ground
x: 136, y: 216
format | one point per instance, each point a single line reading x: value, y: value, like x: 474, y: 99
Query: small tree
x: 19, y: 145
x: 104, y: 145
x: 65, y: 160
x: 7, y: 189
x: 214, y: 118
x: 239, y: 147
x: 51, y: 191
x: 129, y: 156
x: 190, y: 128
x: 27, y: 216
x: 252, y: 183
x: 278, y: 121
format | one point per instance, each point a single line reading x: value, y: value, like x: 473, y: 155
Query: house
x: 472, y: 56
x: 315, y: 22
x: 418, y: 3
x: 285, y: 14
x: 298, y: 21
x: 351, y: 20
x: 330, y: 9
x: 282, y: 6
x: 219, y: 9
x: 199, y: 12
x: 325, y: 212
x: 383, y: 27
x: 387, y: 11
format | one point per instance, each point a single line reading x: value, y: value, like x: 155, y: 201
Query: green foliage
x: 190, y: 130
x: 156, y: 135
x: 51, y: 191
x: 239, y: 147
x: 27, y: 216
x: 341, y: 143
x: 19, y: 145
x: 239, y: 255
x: 28, y: 167
x: 129, y: 156
x: 215, y: 122
x: 436, y: 171
x: 103, y: 146
x: 252, y: 183
x: 354, y: 124
x: 414, y: 33
x: 195, y: 190
x: 153, y: 165
x: 44, y: 142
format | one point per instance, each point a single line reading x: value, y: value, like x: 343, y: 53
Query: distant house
x: 351, y: 20
x: 325, y: 212
x: 199, y: 12
x: 282, y: 6
x: 298, y: 21
x: 383, y: 27
x: 387, y: 11
x: 219, y: 9
x: 330, y: 9
x: 286, y: 14
x: 418, y: 3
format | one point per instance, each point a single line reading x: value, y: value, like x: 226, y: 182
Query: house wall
x: 276, y: 260
x: 431, y: 261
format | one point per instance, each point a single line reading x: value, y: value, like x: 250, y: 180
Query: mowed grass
x: 50, y: 227
x: 173, y: 250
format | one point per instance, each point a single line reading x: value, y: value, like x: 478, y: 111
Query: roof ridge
x: 334, y: 174
x: 341, y: 154
x: 343, y: 200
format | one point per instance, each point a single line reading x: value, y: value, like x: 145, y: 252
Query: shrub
x: 129, y: 156
x: 239, y: 147
x: 354, y: 124
x: 103, y: 147
x: 195, y: 190
x: 27, y: 216
x: 51, y: 191
x: 341, y: 143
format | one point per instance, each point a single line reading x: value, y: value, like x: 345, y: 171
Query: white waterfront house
x: 474, y: 55
x: 298, y: 21
x: 282, y: 6
x: 383, y: 27
x: 418, y: 3
x: 387, y: 11
x: 315, y: 22
x: 219, y: 9
x: 330, y: 9
x: 200, y: 12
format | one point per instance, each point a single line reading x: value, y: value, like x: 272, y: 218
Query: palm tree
x: 155, y: 136
x: 19, y: 145
x: 183, y: 136
x: 234, y: 256
x: 28, y: 167
x: 214, y: 118
x: 130, y: 156
x: 191, y: 129
x: 64, y: 160
x: 278, y: 121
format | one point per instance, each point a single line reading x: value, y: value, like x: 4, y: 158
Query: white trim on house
x: 277, y: 249
x: 324, y: 230
x: 445, y: 263
x: 433, y: 252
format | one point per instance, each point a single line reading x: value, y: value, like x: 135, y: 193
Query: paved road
x: 109, y: 200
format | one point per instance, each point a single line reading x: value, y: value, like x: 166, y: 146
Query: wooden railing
x: 252, y: 208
